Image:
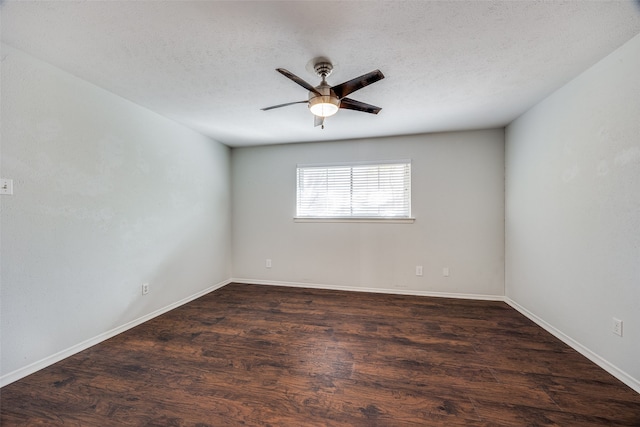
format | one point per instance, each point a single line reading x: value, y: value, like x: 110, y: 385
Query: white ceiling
x: 449, y: 65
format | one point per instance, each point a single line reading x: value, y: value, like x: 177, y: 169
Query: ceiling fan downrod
x: 323, y: 69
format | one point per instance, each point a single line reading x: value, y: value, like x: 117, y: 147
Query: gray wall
x: 573, y: 211
x: 457, y: 200
x: 108, y: 195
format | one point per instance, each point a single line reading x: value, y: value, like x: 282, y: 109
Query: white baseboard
x: 603, y: 363
x: 50, y: 360
x: 374, y: 290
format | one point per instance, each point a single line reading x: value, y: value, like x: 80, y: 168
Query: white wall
x: 573, y: 210
x: 108, y: 195
x: 458, y: 202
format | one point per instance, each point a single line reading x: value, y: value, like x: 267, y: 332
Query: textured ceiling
x: 210, y: 65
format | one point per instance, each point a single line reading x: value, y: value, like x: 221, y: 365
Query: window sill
x: 369, y: 220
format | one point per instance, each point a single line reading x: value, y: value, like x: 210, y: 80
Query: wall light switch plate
x: 418, y: 270
x: 6, y: 186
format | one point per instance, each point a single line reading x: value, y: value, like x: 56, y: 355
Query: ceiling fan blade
x: 352, y: 104
x: 352, y: 85
x: 318, y: 121
x: 298, y: 80
x: 283, y: 105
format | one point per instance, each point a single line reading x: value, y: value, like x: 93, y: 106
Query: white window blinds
x: 354, y: 191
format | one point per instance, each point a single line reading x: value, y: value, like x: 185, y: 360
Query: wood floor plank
x: 276, y: 356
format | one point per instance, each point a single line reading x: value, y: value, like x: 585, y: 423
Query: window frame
x: 366, y: 219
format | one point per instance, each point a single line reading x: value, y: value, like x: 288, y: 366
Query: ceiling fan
x: 325, y: 100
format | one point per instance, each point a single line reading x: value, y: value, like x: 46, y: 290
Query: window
x: 354, y: 191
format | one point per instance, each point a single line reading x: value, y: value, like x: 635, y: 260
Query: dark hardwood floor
x: 262, y: 355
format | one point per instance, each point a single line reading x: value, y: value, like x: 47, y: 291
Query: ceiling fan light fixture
x: 324, y: 106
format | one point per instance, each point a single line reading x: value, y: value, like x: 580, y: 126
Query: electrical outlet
x: 445, y: 271
x: 418, y: 270
x: 617, y: 326
x: 145, y: 288
x: 6, y: 186
x: 267, y: 263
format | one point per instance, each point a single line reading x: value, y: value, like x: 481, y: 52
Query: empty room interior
x: 451, y: 238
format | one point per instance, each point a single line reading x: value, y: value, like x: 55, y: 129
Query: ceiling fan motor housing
x: 326, y: 104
